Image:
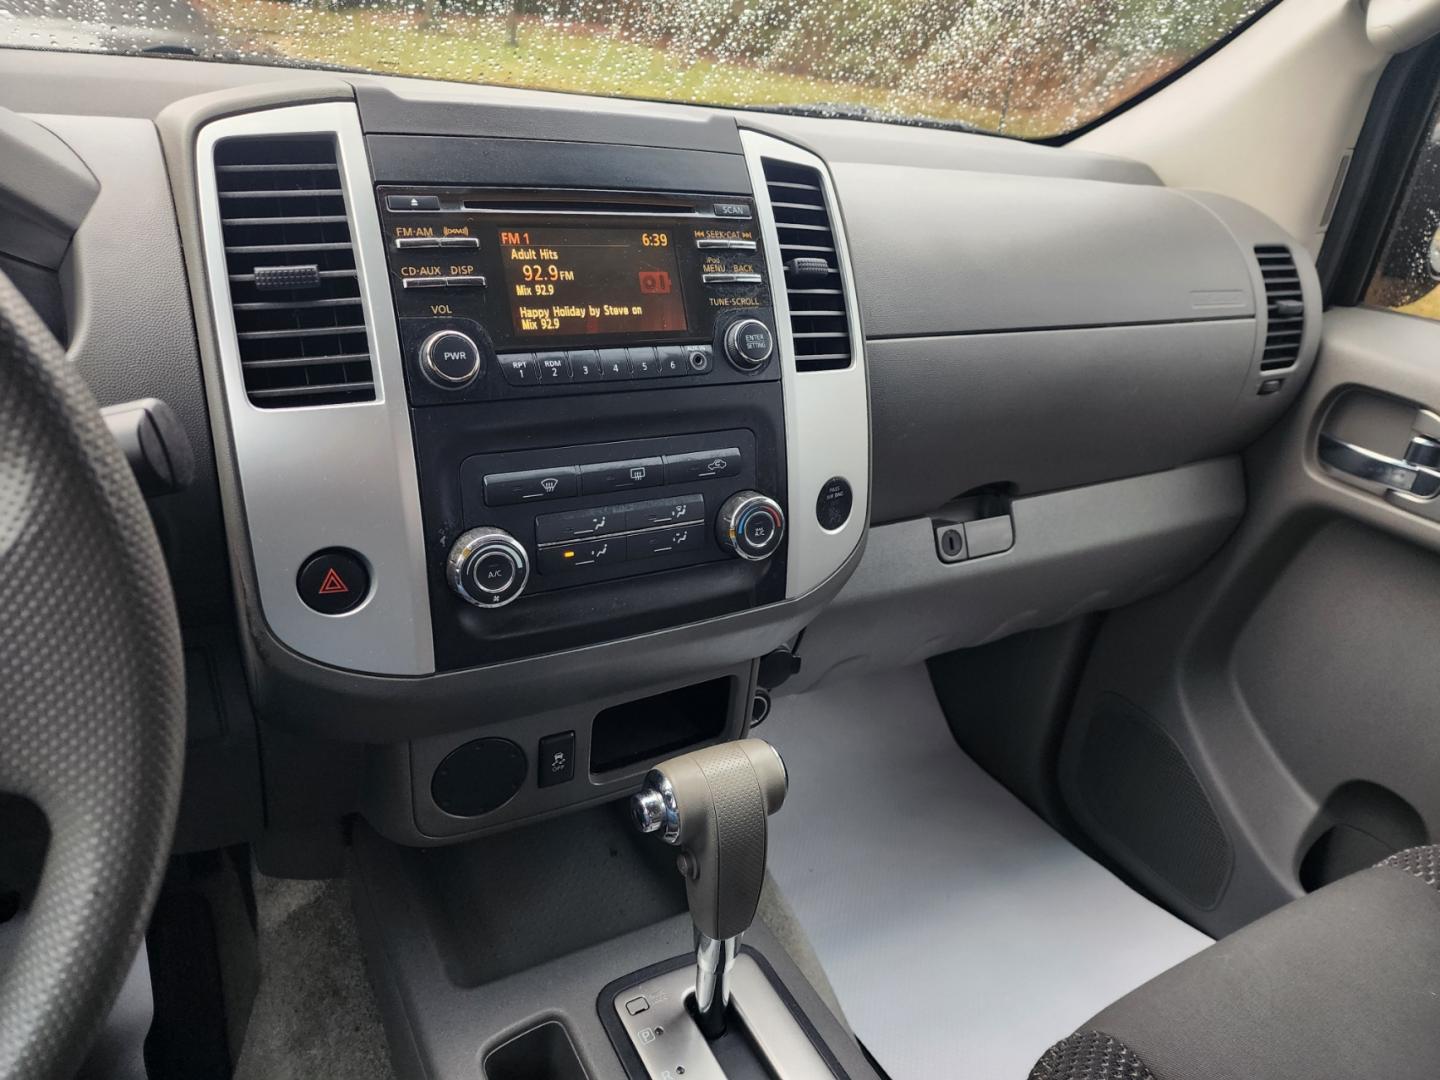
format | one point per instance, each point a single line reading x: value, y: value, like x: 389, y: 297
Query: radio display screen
x: 601, y: 281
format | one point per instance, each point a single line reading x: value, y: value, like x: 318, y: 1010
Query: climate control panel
x: 539, y: 548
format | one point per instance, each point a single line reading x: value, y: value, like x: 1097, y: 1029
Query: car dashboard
x: 536, y: 433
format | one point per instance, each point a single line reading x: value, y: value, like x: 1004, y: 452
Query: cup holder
x: 544, y: 1052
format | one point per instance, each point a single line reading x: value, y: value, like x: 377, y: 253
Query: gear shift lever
x: 713, y: 804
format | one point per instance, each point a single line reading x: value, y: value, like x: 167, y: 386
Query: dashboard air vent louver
x: 813, y: 283
x: 1285, y: 305
x: 294, y: 287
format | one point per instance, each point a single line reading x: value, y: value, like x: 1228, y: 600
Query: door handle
x: 1412, y: 475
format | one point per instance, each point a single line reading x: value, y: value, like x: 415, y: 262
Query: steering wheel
x: 92, y: 699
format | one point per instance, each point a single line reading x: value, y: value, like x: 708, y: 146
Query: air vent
x: 813, y: 283
x: 293, y: 282
x: 1285, y: 305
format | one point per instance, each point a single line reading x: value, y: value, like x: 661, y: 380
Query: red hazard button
x: 333, y: 582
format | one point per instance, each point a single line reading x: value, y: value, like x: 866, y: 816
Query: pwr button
x: 333, y: 582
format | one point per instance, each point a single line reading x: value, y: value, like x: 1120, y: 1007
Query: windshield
x: 1026, y: 68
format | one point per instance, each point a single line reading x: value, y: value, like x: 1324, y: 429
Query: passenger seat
x: 1342, y: 984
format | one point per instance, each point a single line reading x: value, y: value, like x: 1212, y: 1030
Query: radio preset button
x: 554, y: 367
x: 647, y: 545
x: 584, y: 553
x: 650, y: 515
x: 621, y: 475
x: 535, y: 485
x: 702, y: 465
x: 643, y: 364
x: 450, y: 359
x: 615, y: 363
x: 520, y: 369
x: 674, y: 360
x: 585, y: 365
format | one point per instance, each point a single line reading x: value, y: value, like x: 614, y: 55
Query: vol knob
x: 488, y: 567
x: 750, y: 525
x: 451, y: 360
x: 749, y: 344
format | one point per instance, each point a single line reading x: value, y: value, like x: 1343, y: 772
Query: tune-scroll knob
x: 749, y: 344
x: 750, y: 525
x: 488, y: 567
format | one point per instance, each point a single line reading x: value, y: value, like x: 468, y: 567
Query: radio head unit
x: 566, y: 274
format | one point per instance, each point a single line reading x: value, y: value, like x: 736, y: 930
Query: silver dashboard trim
x: 827, y: 413
x: 333, y: 475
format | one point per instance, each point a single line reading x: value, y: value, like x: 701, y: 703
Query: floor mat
x: 962, y: 934
x: 314, y: 1016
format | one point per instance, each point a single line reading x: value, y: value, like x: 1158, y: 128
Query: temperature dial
x: 751, y: 525
x: 488, y: 567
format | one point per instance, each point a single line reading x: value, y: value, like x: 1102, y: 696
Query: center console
x: 541, y: 331
x: 535, y: 433
x: 526, y: 433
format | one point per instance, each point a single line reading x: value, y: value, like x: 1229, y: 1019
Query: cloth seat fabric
x: 1343, y: 984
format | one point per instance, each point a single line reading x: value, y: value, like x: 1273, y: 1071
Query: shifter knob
x: 714, y: 804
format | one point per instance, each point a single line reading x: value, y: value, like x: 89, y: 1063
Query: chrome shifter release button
x: 648, y: 809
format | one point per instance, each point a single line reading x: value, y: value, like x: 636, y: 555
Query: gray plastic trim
x: 1090, y: 548
x: 45, y: 191
x: 335, y: 475
x: 827, y: 413
x: 957, y: 251
x: 1300, y: 656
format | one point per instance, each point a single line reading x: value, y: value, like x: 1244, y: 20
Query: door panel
x: 1296, y: 673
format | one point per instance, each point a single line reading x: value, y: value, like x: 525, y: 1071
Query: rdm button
x: 333, y: 582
